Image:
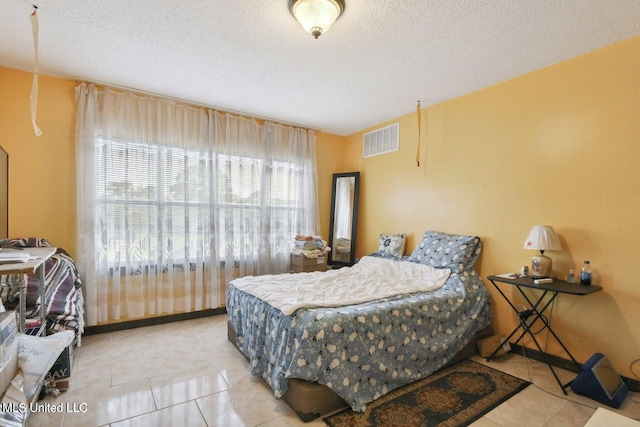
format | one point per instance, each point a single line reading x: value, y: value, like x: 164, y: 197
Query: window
x: 153, y: 197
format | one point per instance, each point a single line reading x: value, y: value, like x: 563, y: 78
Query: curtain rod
x: 193, y: 104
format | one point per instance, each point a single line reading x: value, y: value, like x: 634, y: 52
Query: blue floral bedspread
x: 361, y: 351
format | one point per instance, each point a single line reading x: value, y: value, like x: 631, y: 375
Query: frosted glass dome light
x: 316, y: 16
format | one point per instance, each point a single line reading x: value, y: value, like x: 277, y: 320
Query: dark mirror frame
x: 4, y: 194
x: 335, y: 260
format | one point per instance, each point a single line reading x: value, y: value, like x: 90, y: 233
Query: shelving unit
x: 35, y: 265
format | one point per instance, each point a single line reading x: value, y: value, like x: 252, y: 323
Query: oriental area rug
x: 454, y: 396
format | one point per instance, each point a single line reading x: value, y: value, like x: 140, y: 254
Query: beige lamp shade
x: 542, y: 238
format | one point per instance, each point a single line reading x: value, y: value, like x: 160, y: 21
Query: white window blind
x: 149, y: 192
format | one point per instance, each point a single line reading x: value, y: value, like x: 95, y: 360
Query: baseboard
x: 150, y: 321
x: 634, y: 384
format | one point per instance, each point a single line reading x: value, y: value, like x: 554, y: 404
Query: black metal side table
x: 537, y: 309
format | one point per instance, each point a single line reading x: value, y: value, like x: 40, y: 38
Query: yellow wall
x: 330, y: 155
x: 558, y: 146
x: 42, y: 186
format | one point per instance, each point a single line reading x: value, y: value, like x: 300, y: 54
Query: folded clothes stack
x: 309, y: 246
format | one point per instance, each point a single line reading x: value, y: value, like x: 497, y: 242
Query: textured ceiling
x: 252, y: 57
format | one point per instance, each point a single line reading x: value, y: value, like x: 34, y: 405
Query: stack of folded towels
x: 309, y: 246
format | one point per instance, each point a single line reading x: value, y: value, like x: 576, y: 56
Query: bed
x: 354, y: 352
x: 64, y: 307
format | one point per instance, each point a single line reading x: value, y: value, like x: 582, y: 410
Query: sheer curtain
x: 176, y: 201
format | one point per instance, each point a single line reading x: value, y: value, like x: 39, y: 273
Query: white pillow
x: 392, y: 244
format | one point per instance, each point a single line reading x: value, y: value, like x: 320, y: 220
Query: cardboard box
x: 487, y: 346
x: 8, y: 348
x: 300, y: 263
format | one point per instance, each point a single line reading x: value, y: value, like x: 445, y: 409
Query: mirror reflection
x: 342, y: 227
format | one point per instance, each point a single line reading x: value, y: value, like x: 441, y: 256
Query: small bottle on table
x: 585, y: 274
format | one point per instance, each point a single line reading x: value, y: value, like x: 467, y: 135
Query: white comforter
x: 370, y: 279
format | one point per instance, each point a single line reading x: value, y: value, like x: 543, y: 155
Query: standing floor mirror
x: 4, y: 195
x: 342, y: 223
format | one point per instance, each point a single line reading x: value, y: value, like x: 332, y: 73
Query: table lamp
x: 542, y: 238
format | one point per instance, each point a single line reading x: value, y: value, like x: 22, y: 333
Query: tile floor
x: 188, y: 374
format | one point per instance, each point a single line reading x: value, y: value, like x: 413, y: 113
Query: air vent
x: 383, y: 140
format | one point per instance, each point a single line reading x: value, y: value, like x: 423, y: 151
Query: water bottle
x: 585, y: 274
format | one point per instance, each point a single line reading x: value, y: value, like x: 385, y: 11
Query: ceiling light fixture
x: 316, y: 16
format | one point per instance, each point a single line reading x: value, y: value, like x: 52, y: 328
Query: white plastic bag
x: 36, y: 356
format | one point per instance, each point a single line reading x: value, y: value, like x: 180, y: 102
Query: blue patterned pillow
x: 443, y: 250
x: 392, y: 244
